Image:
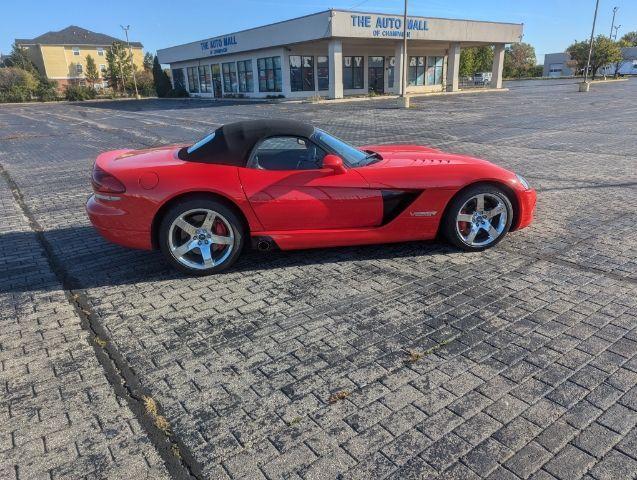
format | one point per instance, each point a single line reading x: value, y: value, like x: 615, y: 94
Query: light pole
x: 590, y: 47
x: 404, y: 100
x: 616, y: 28
x: 612, y: 25
x: 132, y: 64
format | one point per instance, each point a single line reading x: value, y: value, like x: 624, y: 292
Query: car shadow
x: 78, y: 258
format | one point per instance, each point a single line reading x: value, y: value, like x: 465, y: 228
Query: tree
x: 148, y: 61
x: 118, y: 66
x: 630, y: 38
x: 519, y: 60
x: 467, y: 62
x: 475, y: 59
x: 19, y: 58
x: 484, y: 59
x: 605, y: 52
x: 92, y: 75
x: 161, y: 80
x: 578, y: 52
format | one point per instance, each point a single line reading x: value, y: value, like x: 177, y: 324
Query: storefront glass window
x: 230, y: 84
x: 270, y: 79
x: 204, y: 78
x: 301, y: 73
x: 193, y: 79
x: 416, y: 73
x: 353, y: 73
x: 434, y: 70
x: 323, y: 73
x: 245, y: 76
x: 390, y: 73
x: 178, y: 78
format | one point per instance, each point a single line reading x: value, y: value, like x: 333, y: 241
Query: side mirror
x: 334, y: 163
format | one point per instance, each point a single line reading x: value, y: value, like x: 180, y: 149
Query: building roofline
x: 248, y: 29
x: 333, y: 10
x: 22, y: 41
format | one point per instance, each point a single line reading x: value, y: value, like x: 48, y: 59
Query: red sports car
x: 287, y: 185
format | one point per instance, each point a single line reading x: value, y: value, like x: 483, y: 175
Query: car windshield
x: 350, y: 154
x: 201, y: 143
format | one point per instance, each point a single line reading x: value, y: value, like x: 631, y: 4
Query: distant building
x: 555, y: 64
x: 61, y: 55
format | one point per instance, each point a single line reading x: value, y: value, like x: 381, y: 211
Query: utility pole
x: 132, y: 64
x: 612, y: 25
x: 404, y: 100
x: 590, y: 47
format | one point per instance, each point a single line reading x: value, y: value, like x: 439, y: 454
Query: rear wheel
x: 478, y: 218
x: 201, y: 236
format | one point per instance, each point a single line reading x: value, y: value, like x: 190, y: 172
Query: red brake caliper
x: 219, y: 229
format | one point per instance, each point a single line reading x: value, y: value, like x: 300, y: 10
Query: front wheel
x: 478, y: 219
x: 201, y: 236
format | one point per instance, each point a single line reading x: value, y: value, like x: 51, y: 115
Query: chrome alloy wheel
x: 201, y: 239
x: 482, y: 219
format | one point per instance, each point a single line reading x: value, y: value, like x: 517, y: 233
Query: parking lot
x: 389, y: 361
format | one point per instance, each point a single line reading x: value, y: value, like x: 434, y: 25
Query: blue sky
x: 550, y: 25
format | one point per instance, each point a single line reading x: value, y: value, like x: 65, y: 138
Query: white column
x: 335, y: 58
x: 398, y: 67
x: 453, y: 67
x: 498, y: 65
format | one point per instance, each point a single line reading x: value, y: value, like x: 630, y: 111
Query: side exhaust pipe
x: 264, y: 245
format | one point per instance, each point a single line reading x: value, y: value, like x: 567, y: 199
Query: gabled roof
x: 73, y: 35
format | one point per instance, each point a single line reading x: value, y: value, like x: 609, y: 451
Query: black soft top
x: 233, y: 142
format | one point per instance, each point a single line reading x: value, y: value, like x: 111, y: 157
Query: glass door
x: 216, y: 80
x: 376, y: 74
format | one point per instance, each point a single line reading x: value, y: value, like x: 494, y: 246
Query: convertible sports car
x: 287, y: 185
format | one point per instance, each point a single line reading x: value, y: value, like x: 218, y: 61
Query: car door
x: 289, y: 190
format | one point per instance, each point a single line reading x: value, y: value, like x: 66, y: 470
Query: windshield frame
x: 344, y: 150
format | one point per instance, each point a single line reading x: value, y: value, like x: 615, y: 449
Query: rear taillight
x: 105, y: 182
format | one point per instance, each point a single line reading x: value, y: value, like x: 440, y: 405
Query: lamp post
x: 585, y: 86
x: 404, y: 99
x: 612, y: 25
x: 130, y: 50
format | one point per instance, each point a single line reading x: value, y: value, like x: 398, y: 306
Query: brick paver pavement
x: 391, y: 361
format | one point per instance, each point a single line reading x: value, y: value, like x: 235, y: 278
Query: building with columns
x: 335, y: 53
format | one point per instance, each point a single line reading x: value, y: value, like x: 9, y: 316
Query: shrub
x: 145, y: 84
x: 47, y: 90
x: 15, y: 94
x: 79, y: 93
x: 16, y: 85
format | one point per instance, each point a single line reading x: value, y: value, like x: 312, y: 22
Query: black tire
x: 450, y: 230
x: 231, y: 220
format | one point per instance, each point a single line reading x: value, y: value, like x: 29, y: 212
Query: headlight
x: 523, y: 181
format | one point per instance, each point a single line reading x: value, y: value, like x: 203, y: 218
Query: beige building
x: 61, y: 56
x: 336, y: 53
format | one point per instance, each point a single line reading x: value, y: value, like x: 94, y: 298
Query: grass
x: 413, y: 356
x: 153, y: 410
x: 341, y: 395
